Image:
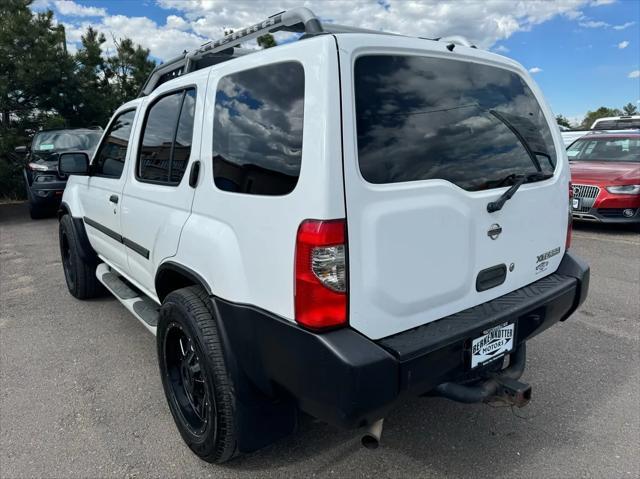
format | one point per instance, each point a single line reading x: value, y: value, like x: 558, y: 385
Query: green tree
x: 93, y: 92
x: 43, y: 86
x: 34, y: 63
x: 34, y: 69
x: 127, y: 70
x: 601, y: 112
x: 630, y: 109
x: 563, y: 121
x: 267, y: 41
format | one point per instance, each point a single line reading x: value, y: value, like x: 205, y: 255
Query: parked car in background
x: 625, y: 122
x: 612, y: 123
x: 44, y: 184
x: 605, y: 171
x: 569, y: 136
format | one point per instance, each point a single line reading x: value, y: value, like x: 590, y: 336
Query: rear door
x: 157, y: 198
x: 431, y: 137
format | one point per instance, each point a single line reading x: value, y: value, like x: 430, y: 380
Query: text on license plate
x: 493, y: 344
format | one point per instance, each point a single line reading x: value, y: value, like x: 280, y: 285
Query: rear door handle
x: 194, y: 173
x: 113, y: 198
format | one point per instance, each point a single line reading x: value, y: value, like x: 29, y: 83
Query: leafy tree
x: 127, y: 70
x: 94, y: 104
x: 563, y: 121
x: 34, y: 64
x: 267, y: 41
x: 601, y: 112
x: 34, y: 67
x: 43, y: 86
x: 630, y: 109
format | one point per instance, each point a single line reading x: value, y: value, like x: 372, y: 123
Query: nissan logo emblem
x: 494, y: 231
x: 576, y: 190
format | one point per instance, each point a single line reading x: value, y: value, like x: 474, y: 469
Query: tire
x: 37, y: 212
x: 195, y: 378
x: 79, y: 275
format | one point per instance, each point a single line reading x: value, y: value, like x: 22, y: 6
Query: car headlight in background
x: 38, y: 167
x: 624, y: 189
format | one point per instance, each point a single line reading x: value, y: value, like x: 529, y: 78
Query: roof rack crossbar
x: 184, y: 63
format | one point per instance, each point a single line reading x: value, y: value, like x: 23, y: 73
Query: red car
x: 605, y: 172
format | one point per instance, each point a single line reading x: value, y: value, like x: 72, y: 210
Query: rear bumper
x: 346, y: 379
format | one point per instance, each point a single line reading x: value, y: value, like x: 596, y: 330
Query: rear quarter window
x: 257, y: 131
x: 421, y: 118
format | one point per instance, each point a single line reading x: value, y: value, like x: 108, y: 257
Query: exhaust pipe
x: 371, y: 438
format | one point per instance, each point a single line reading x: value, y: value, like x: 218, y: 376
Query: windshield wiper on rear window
x: 522, y: 139
x: 518, y: 181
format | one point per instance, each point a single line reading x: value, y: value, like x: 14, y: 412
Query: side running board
x: 138, y: 304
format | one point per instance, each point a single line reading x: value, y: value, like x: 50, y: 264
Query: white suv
x: 325, y: 226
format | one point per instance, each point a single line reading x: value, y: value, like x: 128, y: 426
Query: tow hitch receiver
x: 511, y: 391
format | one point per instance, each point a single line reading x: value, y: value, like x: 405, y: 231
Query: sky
x: 583, y: 53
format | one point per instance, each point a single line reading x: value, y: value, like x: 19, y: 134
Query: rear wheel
x: 79, y: 274
x: 195, y: 378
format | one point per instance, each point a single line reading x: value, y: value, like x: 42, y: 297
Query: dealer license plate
x: 493, y: 344
x: 576, y: 203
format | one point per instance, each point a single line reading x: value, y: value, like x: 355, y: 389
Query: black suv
x: 44, y: 184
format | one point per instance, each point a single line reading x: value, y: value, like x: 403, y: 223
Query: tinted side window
x: 257, y: 130
x: 421, y: 118
x: 109, y: 160
x: 165, y: 145
x: 182, y: 148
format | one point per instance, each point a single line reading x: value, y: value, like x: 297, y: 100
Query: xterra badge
x: 548, y: 254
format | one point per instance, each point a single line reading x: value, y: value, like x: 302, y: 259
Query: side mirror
x: 73, y: 164
x: 21, y: 150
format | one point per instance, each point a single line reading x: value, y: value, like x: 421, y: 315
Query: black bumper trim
x: 349, y: 380
x: 438, y: 334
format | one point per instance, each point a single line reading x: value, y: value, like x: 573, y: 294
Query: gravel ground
x: 80, y: 394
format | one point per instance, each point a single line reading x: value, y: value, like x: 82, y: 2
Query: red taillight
x: 321, y: 284
x: 567, y: 244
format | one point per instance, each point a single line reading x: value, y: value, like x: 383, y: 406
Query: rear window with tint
x: 421, y: 118
x: 257, y: 130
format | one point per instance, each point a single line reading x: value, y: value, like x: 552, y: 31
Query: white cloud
x: 178, y: 23
x: 634, y: 74
x: 623, y: 45
x: 623, y: 26
x: 162, y: 41
x: 39, y: 5
x: 425, y: 18
x: 535, y: 70
x: 193, y: 22
x: 72, y: 9
x: 501, y: 49
x: 594, y: 24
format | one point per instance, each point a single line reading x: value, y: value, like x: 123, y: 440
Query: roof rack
x: 300, y: 20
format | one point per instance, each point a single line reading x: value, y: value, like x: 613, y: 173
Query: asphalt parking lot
x: 80, y: 394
